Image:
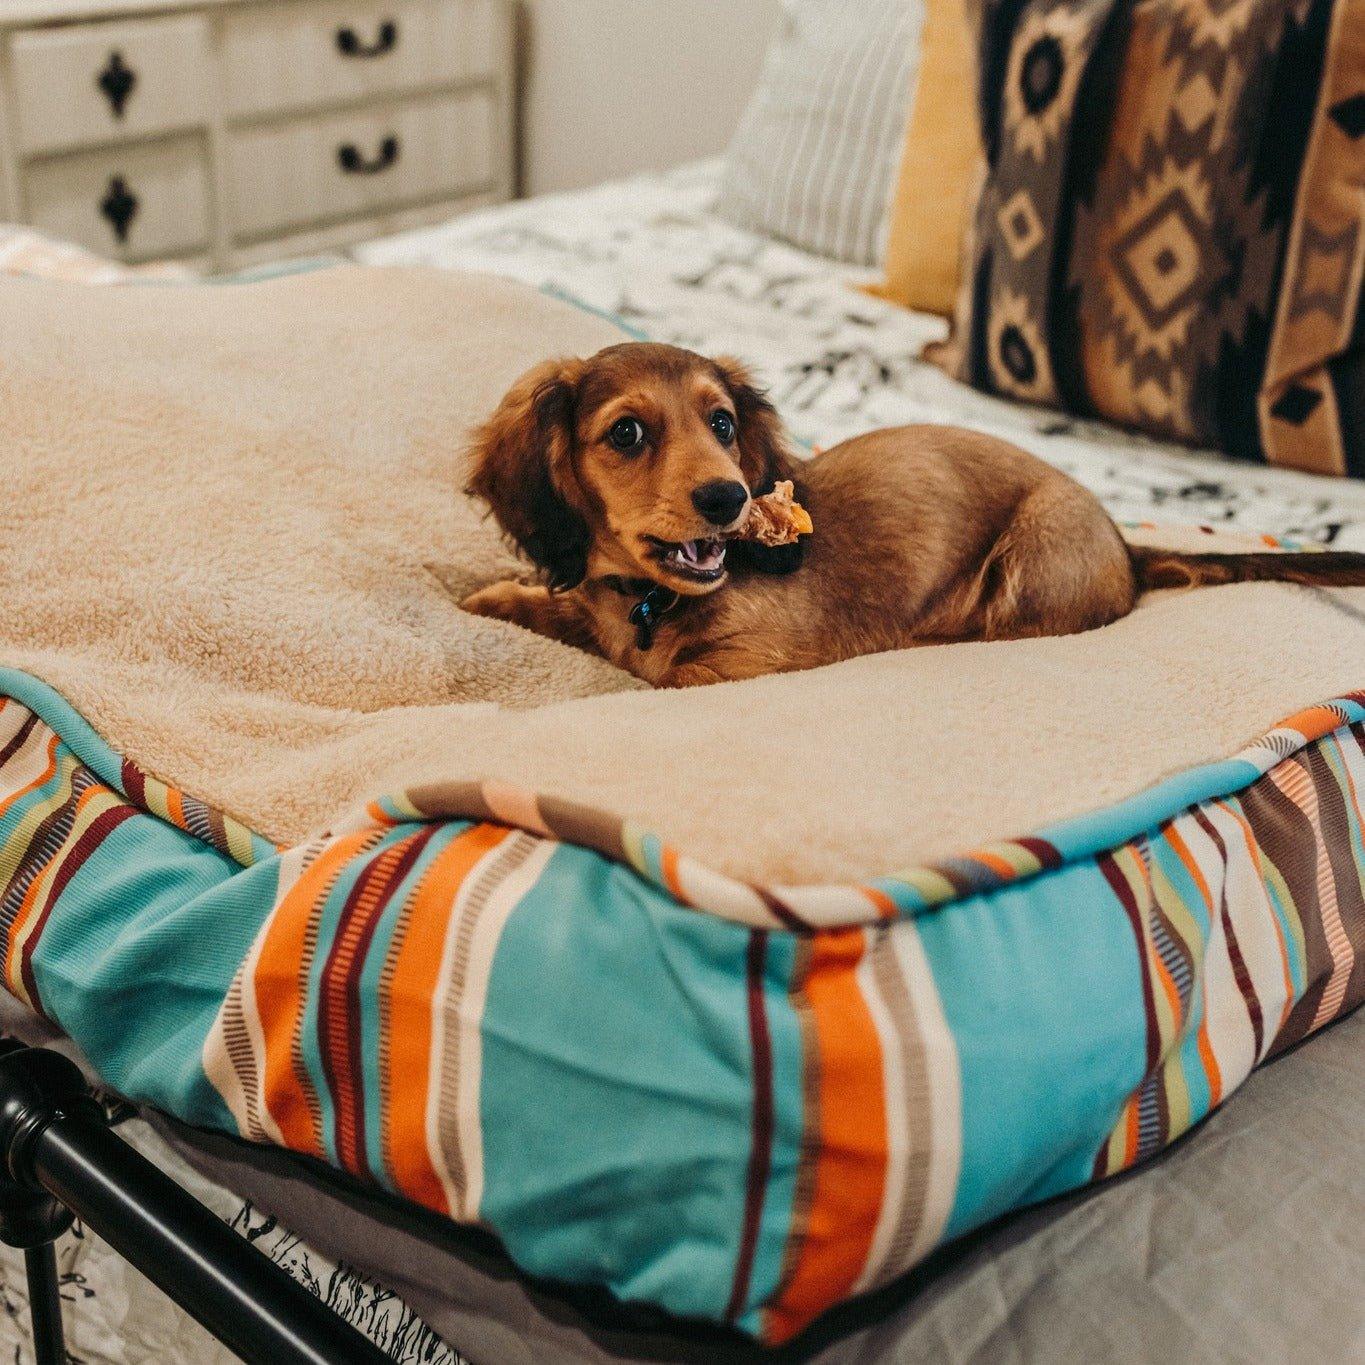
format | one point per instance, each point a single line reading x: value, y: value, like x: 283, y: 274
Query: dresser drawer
x: 102, y: 82
x: 307, y: 171
x: 306, y: 55
x: 136, y: 203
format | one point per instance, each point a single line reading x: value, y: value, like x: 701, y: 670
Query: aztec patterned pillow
x: 814, y: 158
x: 1172, y: 231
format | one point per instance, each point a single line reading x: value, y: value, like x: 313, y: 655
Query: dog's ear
x: 764, y: 458
x: 520, y: 464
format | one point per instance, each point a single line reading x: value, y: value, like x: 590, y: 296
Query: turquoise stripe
x: 1164, y: 857
x: 1042, y: 989
x: 617, y: 1098
x: 652, y: 855
x: 788, y: 1126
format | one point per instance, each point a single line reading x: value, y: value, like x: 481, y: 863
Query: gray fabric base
x: 1244, y: 1242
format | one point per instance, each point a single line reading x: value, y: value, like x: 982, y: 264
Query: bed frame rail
x: 59, y: 1160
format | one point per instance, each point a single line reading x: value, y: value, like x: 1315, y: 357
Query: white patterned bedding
x: 651, y: 252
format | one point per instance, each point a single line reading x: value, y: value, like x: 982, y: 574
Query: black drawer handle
x: 119, y: 206
x: 350, y: 159
x: 116, y: 82
x: 349, y: 43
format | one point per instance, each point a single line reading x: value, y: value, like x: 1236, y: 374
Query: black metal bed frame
x: 60, y: 1161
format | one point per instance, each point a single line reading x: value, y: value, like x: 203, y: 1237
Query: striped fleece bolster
x: 518, y: 1017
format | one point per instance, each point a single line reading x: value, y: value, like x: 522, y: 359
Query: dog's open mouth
x: 702, y: 560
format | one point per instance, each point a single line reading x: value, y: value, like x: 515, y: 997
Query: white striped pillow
x: 814, y: 158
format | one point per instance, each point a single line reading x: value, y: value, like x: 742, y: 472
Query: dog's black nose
x: 720, y: 501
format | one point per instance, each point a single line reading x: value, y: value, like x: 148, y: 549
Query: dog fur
x: 923, y: 534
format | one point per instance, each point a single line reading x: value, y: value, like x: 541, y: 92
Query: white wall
x: 615, y: 86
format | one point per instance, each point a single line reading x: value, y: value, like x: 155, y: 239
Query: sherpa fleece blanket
x: 735, y: 1000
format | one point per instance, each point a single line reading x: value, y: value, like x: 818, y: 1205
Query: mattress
x: 1290, y: 507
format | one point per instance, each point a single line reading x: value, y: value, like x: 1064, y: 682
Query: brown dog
x: 621, y: 476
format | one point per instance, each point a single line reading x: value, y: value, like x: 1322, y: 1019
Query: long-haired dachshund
x: 621, y: 476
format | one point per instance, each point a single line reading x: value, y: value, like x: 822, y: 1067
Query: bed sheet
x: 651, y: 252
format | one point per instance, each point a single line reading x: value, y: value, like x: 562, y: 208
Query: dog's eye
x: 626, y: 435
x: 723, y: 425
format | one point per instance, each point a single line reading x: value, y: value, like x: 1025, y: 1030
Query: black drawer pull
x: 349, y: 43
x: 116, y: 82
x: 119, y: 206
x: 350, y: 159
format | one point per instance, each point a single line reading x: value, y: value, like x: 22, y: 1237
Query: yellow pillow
x: 940, y: 168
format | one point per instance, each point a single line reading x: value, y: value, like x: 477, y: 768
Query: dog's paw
x: 501, y: 601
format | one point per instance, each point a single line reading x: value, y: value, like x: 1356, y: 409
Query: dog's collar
x: 646, y: 614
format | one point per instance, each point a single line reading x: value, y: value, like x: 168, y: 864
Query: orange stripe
x: 279, y: 996
x: 998, y: 865
x: 44, y: 776
x: 885, y: 906
x: 850, y: 1144
x: 409, y: 997
x: 1168, y: 985
x: 1211, y: 1066
x: 1182, y: 851
x: 175, y: 806
x: 1313, y: 723
x: 1130, y: 1146
x: 668, y: 860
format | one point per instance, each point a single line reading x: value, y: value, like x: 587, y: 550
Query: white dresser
x: 229, y: 132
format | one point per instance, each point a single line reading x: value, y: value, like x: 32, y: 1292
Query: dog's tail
x: 1315, y: 568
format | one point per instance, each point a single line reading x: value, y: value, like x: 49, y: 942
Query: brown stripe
x: 15, y: 744
x: 134, y: 783
x: 464, y: 800
x: 310, y: 947
x: 1047, y: 854
x: 575, y: 824
x: 1340, y: 843
x: 783, y: 912
x: 1118, y: 883
x: 1287, y: 840
x: 217, y: 829
x: 761, y: 1142
x: 1240, y: 972
x: 338, y: 988
x: 91, y: 838
x: 45, y: 843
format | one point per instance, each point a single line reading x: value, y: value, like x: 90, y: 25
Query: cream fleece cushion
x: 235, y: 540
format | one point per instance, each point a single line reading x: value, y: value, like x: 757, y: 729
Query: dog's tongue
x: 702, y: 554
